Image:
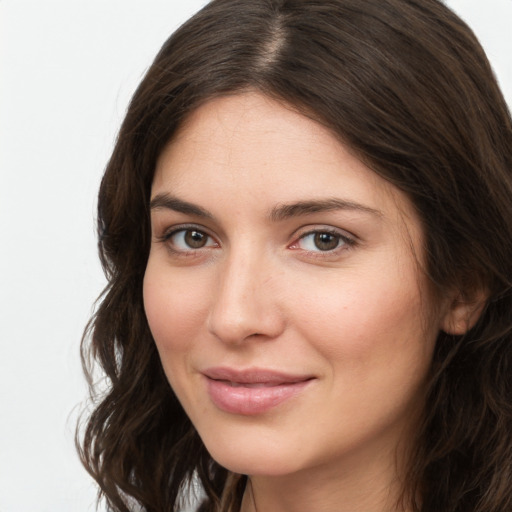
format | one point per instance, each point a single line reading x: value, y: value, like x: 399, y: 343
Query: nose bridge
x: 242, y: 302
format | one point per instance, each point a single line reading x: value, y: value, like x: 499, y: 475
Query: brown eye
x: 195, y: 239
x: 326, y: 241
x: 187, y: 239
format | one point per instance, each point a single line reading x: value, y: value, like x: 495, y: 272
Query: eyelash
x: 167, y: 236
x: 346, y: 241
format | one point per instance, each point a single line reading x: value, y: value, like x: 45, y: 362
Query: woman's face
x: 284, y: 293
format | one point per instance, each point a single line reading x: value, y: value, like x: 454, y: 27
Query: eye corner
x: 323, y: 241
x: 186, y: 240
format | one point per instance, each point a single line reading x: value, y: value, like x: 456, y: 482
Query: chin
x: 263, y: 466
x: 253, y: 457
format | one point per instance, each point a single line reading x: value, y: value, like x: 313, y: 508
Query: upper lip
x: 254, y: 376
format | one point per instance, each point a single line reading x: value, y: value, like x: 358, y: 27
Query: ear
x: 463, y: 311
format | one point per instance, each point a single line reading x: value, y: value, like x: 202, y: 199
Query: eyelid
x: 169, y: 232
x: 349, y: 240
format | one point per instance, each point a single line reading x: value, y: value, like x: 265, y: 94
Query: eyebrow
x: 166, y: 201
x: 286, y: 211
x: 278, y: 213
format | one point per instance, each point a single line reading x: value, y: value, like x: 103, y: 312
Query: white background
x: 67, y: 71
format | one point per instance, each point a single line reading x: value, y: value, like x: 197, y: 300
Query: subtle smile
x: 251, y: 392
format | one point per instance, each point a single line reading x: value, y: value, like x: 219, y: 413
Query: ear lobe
x: 463, y: 312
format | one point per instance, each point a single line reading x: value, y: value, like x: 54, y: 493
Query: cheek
x: 374, y: 315
x: 175, y: 308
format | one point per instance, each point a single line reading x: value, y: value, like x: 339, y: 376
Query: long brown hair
x: 407, y: 86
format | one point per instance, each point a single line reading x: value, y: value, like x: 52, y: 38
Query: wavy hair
x: 407, y: 86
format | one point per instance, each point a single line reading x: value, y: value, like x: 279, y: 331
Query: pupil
x: 195, y: 239
x: 326, y: 241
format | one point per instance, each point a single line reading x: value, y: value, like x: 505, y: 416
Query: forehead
x: 248, y: 133
x: 258, y: 152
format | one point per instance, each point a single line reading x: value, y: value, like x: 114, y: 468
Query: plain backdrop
x: 67, y: 71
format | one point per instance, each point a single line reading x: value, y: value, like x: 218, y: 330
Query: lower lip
x: 249, y: 401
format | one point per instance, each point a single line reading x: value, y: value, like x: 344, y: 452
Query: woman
x: 306, y: 225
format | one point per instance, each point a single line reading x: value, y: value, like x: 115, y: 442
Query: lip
x: 252, y: 391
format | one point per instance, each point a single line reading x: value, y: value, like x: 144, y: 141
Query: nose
x: 245, y: 302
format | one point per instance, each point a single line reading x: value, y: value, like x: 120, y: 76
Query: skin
x: 260, y: 294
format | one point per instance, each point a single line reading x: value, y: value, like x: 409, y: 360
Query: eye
x: 323, y: 241
x: 189, y: 239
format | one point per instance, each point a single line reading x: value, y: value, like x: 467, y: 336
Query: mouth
x: 253, y: 391
x: 248, y: 384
